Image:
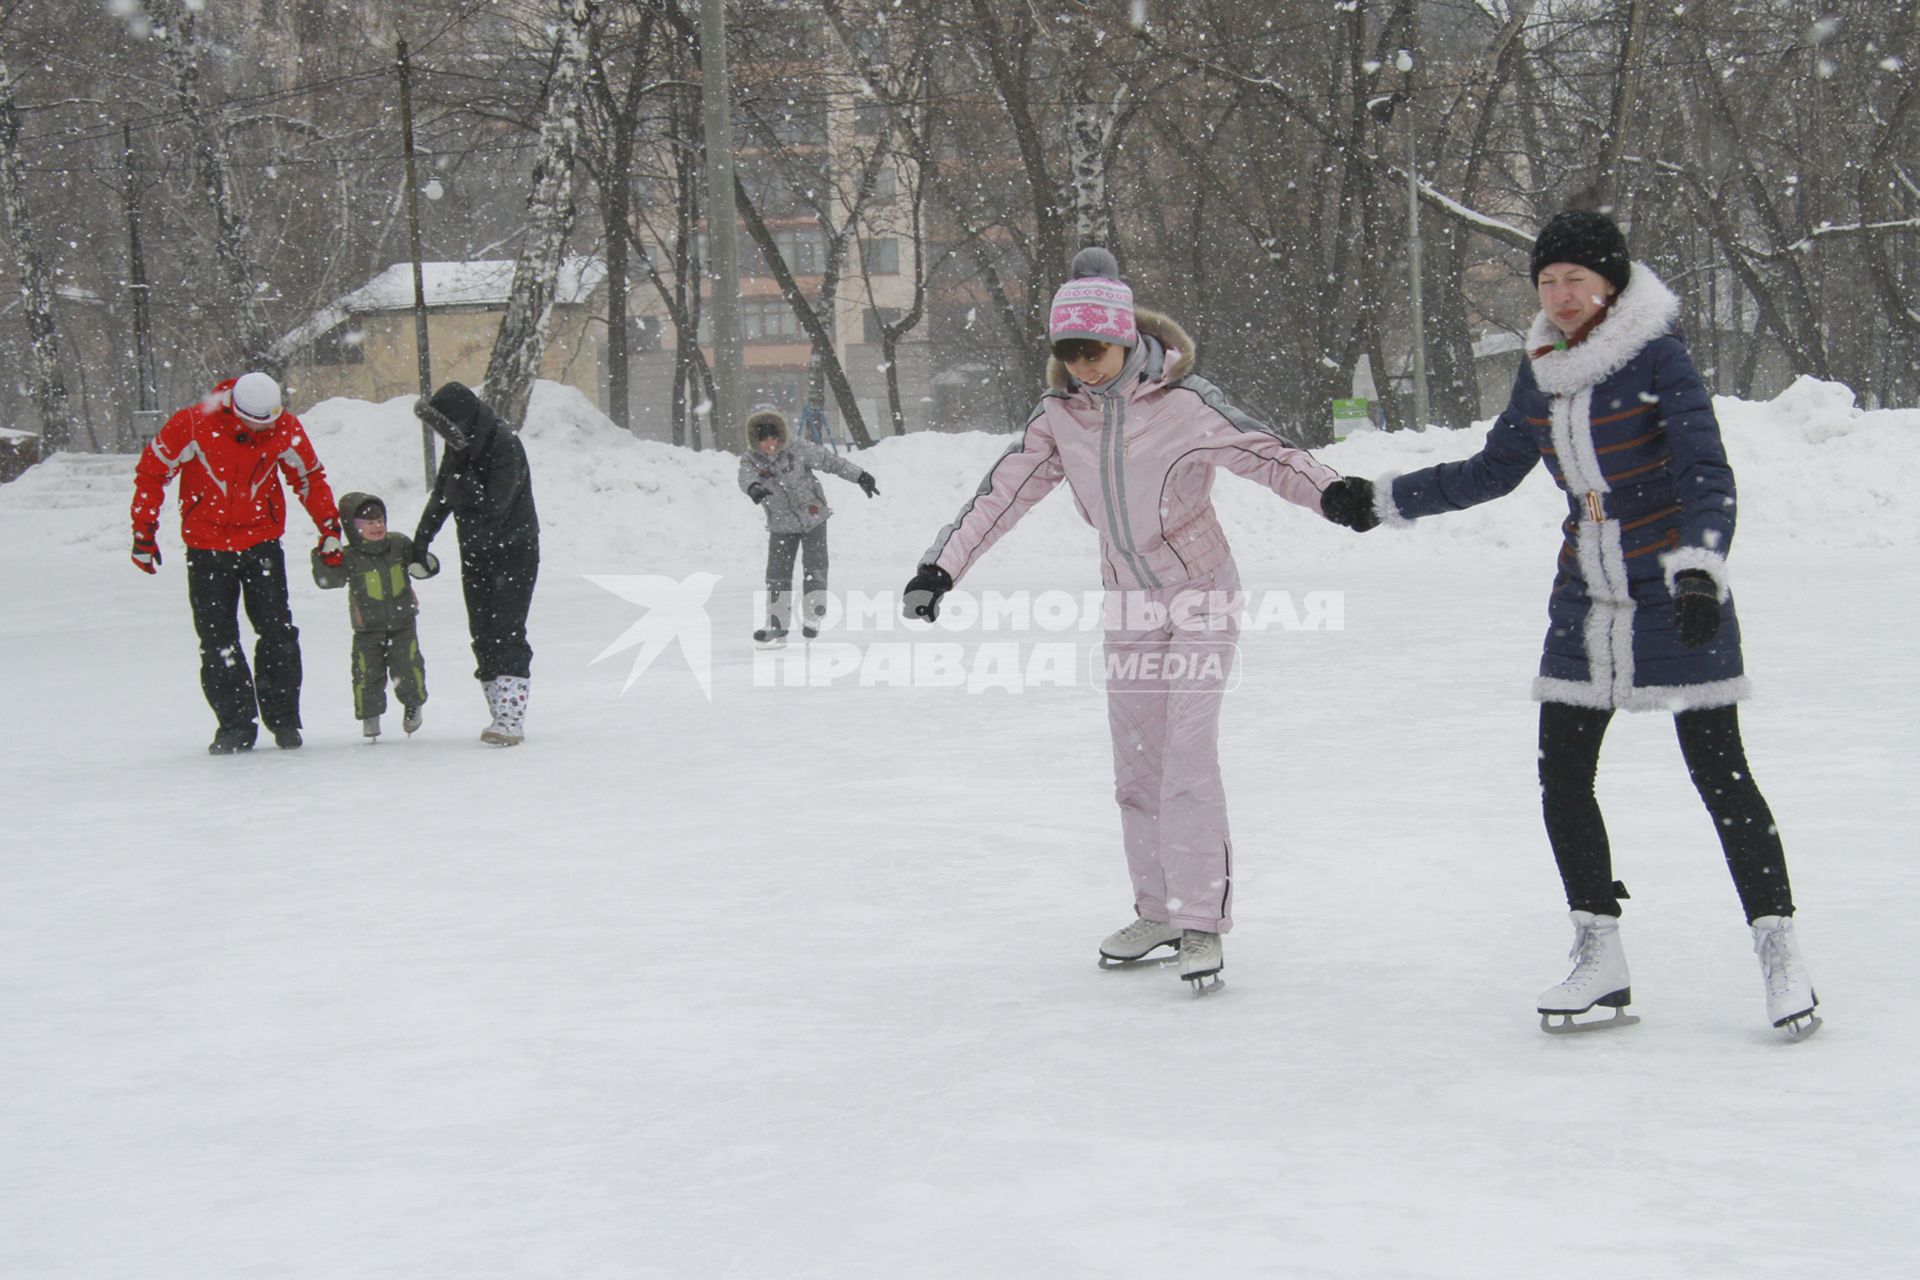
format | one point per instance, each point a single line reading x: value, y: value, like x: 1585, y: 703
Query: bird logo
x: 674, y: 612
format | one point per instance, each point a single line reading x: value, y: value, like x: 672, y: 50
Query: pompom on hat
x: 1094, y: 304
x: 1583, y: 238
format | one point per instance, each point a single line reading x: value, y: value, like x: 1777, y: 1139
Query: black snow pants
x: 499, y: 591
x: 217, y: 583
x: 1570, y: 740
x: 811, y: 547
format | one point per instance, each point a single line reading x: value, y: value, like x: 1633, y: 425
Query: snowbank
x: 1814, y: 471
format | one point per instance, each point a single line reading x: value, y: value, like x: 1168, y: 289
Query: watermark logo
x: 675, y: 613
x: 1135, y: 641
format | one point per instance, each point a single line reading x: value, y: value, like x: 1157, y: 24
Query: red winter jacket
x: 230, y: 495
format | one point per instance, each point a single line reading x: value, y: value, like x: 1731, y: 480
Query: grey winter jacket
x: 795, y: 502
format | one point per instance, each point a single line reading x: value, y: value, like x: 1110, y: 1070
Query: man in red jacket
x: 231, y: 451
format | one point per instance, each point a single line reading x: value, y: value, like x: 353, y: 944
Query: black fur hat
x: 1585, y: 239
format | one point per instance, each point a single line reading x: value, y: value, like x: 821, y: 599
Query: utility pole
x: 723, y: 252
x: 137, y: 287
x: 413, y: 240
x: 1420, y: 412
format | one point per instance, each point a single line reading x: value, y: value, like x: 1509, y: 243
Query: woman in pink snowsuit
x: 1137, y: 436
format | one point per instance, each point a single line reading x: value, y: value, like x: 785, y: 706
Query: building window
x: 881, y: 257
x: 871, y: 44
x: 342, y: 344
x: 804, y: 250
x: 796, y: 121
x: 777, y: 36
x: 761, y: 320
x: 869, y: 119
x: 873, y: 318
x: 645, y: 333
x: 778, y: 189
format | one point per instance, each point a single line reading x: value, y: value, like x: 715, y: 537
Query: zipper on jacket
x: 1113, y: 421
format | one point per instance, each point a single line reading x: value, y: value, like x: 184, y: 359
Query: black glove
x: 423, y: 565
x: 1348, y: 501
x: 1696, y: 606
x: 924, y: 590
x: 867, y: 486
x: 758, y: 492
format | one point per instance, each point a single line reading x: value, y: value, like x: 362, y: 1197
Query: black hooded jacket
x: 486, y: 486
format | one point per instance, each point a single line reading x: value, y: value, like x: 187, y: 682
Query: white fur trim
x: 1571, y: 416
x: 1644, y: 310
x: 1660, y: 697
x: 1711, y: 563
x: 1608, y: 633
x: 1383, y: 504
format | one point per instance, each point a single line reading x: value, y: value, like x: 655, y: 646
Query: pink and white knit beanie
x: 1096, y: 303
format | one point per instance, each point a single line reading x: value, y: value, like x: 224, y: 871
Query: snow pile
x: 1814, y: 470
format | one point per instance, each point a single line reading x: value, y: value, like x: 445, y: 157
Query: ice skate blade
x: 1145, y: 957
x: 1205, y: 984
x: 1567, y: 1026
x: 1800, y: 1027
x: 767, y: 645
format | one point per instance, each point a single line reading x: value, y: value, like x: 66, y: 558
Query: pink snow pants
x: 1166, y: 661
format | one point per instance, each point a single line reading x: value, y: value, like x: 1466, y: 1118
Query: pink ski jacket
x: 1139, y: 455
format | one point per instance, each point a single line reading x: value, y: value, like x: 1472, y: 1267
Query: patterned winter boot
x: 507, y: 695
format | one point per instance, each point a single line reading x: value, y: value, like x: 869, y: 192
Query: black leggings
x: 1570, y: 740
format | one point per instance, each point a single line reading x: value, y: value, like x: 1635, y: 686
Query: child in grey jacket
x: 777, y: 472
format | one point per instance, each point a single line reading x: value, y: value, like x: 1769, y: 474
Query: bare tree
x: 36, y: 279
x: 175, y: 27
x: 550, y: 211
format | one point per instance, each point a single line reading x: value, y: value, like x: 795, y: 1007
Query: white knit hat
x: 256, y: 397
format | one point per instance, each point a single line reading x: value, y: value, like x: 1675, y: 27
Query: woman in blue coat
x: 1640, y: 618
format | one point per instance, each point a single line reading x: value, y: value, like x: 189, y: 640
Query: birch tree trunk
x: 36, y: 281
x: 522, y: 339
x: 1090, y: 129
x: 173, y: 25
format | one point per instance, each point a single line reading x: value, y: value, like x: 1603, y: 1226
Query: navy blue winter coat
x: 1626, y: 428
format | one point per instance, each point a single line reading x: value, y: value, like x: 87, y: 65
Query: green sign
x: 1350, y: 416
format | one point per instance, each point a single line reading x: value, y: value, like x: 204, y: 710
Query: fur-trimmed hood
x: 350, y: 504
x: 1645, y: 310
x: 1175, y: 362
x: 768, y: 417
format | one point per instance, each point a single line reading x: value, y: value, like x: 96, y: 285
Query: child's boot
x: 370, y: 727
x: 411, y: 719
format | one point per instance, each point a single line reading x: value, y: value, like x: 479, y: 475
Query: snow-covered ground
x: 800, y: 982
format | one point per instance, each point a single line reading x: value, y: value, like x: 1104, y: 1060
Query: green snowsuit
x: 381, y: 602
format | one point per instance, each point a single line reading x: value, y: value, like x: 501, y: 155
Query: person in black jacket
x: 486, y: 485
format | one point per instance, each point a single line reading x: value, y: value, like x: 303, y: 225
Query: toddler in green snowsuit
x: 380, y: 600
